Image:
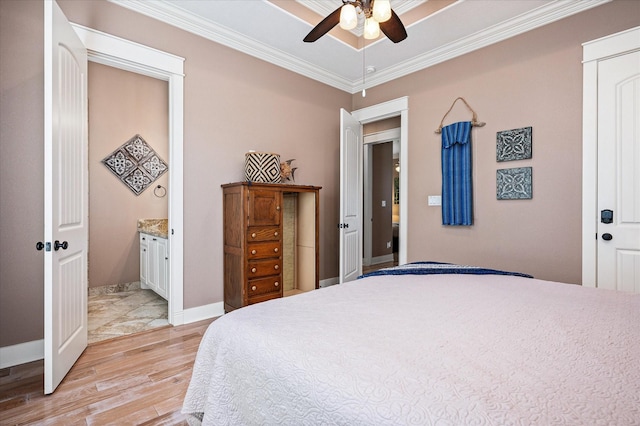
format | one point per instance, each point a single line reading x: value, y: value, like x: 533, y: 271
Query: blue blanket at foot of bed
x: 429, y: 268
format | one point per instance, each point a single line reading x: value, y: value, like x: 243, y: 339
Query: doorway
x: 129, y: 56
x: 381, y: 186
x: 128, y: 137
x: 351, y: 183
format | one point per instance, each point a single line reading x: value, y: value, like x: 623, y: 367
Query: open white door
x: 65, y: 196
x: 350, y: 197
x: 618, y: 246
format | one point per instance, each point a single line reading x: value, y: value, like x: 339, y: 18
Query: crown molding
x: 182, y: 19
x: 186, y: 21
x: 539, y: 17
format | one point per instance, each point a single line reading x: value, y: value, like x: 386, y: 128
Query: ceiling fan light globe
x: 381, y: 10
x: 348, y: 17
x: 371, y: 29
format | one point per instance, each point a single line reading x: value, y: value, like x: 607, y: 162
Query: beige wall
x: 234, y: 103
x: 531, y: 80
x: 21, y: 173
x: 121, y: 105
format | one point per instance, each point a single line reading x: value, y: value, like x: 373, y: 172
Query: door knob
x: 607, y: 237
x: 39, y: 245
x: 60, y: 245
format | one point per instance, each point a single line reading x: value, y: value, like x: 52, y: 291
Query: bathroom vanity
x: 154, y: 256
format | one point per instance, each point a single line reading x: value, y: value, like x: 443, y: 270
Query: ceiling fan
x: 378, y: 17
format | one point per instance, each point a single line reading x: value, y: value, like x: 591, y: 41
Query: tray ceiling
x: 438, y: 30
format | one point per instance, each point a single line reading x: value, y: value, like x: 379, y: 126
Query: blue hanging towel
x: 457, y: 207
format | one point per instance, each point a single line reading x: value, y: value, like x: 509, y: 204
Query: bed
x: 452, y: 347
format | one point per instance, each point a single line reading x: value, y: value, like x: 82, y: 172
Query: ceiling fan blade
x: 324, y: 26
x: 394, y: 29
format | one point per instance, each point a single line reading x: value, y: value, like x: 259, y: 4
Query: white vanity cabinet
x: 154, y: 263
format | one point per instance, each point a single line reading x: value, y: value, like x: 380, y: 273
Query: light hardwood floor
x: 371, y: 268
x: 140, y: 379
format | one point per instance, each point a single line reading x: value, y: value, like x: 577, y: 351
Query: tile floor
x: 126, y: 312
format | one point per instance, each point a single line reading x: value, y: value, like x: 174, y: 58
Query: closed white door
x: 350, y: 197
x: 65, y: 193
x: 618, y: 247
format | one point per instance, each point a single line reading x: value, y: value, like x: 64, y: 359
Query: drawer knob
x: 275, y: 234
x: 276, y: 267
x: 253, y: 288
x: 276, y: 284
x: 275, y: 250
x: 253, y: 251
x: 253, y: 235
x: 278, y: 208
x: 253, y: 270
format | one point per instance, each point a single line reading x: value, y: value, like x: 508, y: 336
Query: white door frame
x: 593, y: 52
x: 371, y: 139
x: 124, y: 54
x: 389, y: 109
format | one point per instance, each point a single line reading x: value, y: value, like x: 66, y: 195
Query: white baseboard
x: 328, y: 282
x: 203, y: 312
x: 21, y: 353
x: 382, y: 259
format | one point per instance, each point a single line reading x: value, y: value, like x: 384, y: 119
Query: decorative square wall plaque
x: 514, y: 184
x: 136, y: 164
x: 514, y: 144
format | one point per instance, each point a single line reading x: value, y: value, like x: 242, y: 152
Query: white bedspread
x: 425, y: 350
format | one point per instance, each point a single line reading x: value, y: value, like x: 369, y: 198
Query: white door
x: 350, y: 197
x: 618, y: 247
x: 65, y: 197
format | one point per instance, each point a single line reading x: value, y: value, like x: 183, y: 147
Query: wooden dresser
x: 254, y: 255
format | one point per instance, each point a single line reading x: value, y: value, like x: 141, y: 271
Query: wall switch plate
x: 388, y: 244
x: 435, y: 200
x: 384, y: 203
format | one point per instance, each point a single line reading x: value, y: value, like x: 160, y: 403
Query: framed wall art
x: 515, y: 144
x: 514, y: 184
x: 136, y: 164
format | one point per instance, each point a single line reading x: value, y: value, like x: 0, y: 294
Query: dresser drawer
x: 264, y: 286
x: 263, y: 250
x: 264, y: 233
x: 263, y: 268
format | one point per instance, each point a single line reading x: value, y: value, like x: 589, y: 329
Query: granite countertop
x: 155, y: 227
